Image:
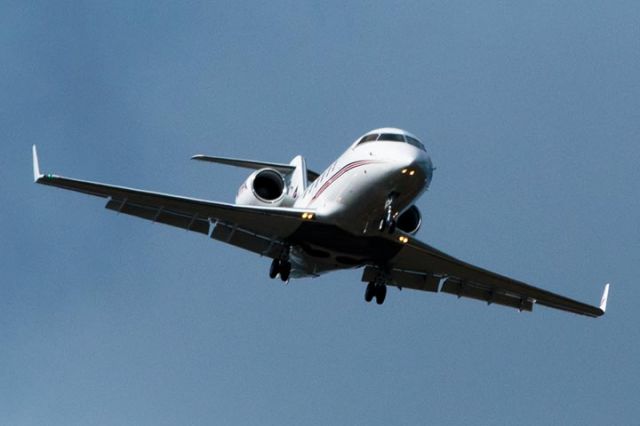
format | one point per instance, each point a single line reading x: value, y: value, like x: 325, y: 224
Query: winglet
x: 605, y: 296
x: 36, y: 166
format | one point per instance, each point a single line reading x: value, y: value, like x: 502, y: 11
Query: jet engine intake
x: 268, y: 185
x: 410, y: 220
x: 265, y: 187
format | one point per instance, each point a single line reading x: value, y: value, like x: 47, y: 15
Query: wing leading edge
x: 465, y: 280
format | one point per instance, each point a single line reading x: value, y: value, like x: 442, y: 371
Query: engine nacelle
x: 265, y: 187
x: 410, y: 220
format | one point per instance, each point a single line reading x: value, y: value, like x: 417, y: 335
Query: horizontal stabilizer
x: 251, y: 164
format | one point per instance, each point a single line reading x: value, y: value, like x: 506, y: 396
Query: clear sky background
x: 531, y: 113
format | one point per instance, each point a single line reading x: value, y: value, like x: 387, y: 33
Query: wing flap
x: 179, y: 219
x: 464, y: 289
x: 403, y: 279
x: 247, y: 240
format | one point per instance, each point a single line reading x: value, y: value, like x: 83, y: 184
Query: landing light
x: 404, y: 171
x: 412, y: 172
x: 403, y: 239
x: 307, y: 216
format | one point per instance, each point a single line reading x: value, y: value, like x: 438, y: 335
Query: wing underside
x: 262, y: 230
x: 422, y: 267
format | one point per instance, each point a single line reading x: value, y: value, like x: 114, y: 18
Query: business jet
x: 358, y: 213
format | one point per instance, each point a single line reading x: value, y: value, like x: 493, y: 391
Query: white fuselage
x: 353, y: 191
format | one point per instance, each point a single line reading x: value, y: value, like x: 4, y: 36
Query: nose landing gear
x: 388, y: 222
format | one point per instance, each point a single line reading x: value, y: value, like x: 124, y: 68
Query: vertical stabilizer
x: 298, y: 182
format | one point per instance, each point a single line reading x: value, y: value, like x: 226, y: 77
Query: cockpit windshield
x: 369, y: 138
x: 415, y: 142
x: 391, y: 137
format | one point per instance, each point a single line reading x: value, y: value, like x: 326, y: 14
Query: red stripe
x: 336, y: 175
x: 339, y: 173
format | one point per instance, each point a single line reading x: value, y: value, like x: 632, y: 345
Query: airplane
x: 358, y: 213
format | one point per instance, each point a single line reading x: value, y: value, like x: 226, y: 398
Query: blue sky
x: 531, y: 113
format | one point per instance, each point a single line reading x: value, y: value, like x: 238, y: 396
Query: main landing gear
x: 280, y: 267
x: 388, y: 222
x: 377, y: 290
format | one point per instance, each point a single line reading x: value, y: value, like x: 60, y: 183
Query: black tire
x: 392, y: 226
x: 369, y: 292
x: 274, y: 269
x: 285, y: 271
x: 381, y: 293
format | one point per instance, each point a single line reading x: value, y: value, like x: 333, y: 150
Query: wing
x: 420, y: 266
x: 262, y: 230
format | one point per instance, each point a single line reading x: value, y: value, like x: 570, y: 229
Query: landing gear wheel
x: 370, y: 292
x: 285, y: 270
x: 381, y: 293
x: 274, y: 269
